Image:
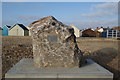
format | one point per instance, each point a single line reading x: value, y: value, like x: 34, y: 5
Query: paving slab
x: 25, y: 69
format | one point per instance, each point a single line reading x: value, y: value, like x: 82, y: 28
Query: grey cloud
x: 103, y: 10
x: 107, y: 5
x: 27, y: 19
x: 98, y: 14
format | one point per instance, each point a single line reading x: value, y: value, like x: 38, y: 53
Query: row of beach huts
x: 22, y: 30
x: 15, y: 30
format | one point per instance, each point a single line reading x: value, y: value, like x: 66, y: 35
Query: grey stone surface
x: 54, y: 44
x: 26, y: 69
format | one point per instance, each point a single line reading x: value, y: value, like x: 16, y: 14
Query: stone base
x: 91, y: 71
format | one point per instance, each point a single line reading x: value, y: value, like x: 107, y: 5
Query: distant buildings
x: 111, y: 33
x: 102, y: 32
x: 90, y: 33
x: 19, y: 30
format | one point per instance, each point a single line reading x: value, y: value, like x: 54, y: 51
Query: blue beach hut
x: 5, y: 31
x: 1, y: 31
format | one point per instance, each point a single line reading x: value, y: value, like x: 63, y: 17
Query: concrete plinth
x: 26, y: 69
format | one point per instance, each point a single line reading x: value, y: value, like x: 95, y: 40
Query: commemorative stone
x: 54, y: 44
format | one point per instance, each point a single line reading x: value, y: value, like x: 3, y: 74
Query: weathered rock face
x: 54, y: 44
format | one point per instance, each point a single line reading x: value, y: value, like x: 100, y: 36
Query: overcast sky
x: 80, y: 14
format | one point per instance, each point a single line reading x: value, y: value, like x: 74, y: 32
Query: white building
x: 100, y: 30
x: 76, y: 31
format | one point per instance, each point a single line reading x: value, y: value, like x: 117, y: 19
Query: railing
x: 113, y: 34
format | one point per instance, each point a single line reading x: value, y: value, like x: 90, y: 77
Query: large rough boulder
x: 54, y: 44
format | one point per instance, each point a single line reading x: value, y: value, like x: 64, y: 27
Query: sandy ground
x: 103, y: 51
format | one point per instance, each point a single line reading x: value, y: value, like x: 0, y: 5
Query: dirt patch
x: 13, y: 50
x: 103, y: 51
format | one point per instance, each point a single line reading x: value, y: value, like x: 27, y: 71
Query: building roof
x: 8, y: 26
x: 22, y: 26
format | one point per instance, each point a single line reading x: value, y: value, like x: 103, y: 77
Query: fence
x: 113, y: 34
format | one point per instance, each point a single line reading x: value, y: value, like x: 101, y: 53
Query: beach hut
x: 5, y: 31
x: 19, y: 30
x: 1, y: 28
x: 1, y: 31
